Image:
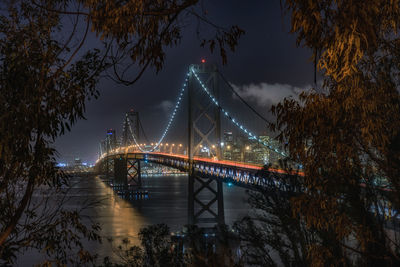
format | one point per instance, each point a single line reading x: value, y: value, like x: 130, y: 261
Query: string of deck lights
x: 233, y: 120
x: 178, y: 102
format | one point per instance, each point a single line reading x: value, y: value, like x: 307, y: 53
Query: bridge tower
x: 127, y: 170
x: 131, y: 122
x: 204, y: 136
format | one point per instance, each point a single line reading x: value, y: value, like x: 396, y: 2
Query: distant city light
x: 203, y: 60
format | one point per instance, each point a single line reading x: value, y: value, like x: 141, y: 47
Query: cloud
x: 165, y: 106
x: 265, y: 94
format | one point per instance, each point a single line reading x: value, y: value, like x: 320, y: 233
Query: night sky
x: 266, y: 67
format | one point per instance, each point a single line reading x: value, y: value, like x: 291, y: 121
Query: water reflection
x: 119, y: 218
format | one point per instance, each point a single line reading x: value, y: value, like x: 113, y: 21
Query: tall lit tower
x: 131, y: 127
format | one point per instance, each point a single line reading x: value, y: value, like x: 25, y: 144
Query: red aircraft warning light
x: 203, y: 60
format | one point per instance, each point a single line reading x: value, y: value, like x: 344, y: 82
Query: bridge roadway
x: 242, y: 174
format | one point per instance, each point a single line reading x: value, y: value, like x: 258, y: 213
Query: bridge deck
x: 242, y: 174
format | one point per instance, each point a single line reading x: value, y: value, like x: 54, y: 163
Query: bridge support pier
x: 120, y: 173
x: 127, y: 172
x: 205, y: 210
x: 108, y: 168
x: 133, y: 170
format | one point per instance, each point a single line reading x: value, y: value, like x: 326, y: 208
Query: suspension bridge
x: 208, y: 159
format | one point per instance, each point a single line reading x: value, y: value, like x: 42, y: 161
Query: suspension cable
x: 244, y: 101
